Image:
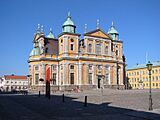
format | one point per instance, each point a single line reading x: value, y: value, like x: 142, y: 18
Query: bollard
x: 39, y: 93
x: 85, y: 101
x: 63, y: 98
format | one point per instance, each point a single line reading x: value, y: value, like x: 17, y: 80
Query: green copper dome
x: 68, y: 25
x: 35, y: 51
x: 68, y: 21
x: 113, y: 32
x: 50, y: 35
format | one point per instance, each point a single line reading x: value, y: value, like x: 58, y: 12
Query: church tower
x: 113, y: 32
x: 68, y: 39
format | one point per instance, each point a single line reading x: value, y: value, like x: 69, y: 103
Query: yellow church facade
x: 68, y: 62
x: 138, y: 76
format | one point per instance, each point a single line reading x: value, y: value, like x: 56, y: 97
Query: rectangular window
x: 72, y: 78
x: 37, y: 67
x: 90, y: 79
x: 90, y: 67
x: 72, y: 47
x: 36, y: 78
x: 54, y: 78
x: 98, y: 49
x: 72, y: 67
x: 90, y: 48
x: 107, y: 79
x: 99, y: 67
x: 54, y: 67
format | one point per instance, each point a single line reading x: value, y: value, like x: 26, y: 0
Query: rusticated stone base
x: 71, y: 88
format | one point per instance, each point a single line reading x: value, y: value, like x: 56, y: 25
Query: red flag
x: 48, y: 73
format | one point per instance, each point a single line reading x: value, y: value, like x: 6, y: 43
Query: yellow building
x: 67, y: 61
x: 138, y: 77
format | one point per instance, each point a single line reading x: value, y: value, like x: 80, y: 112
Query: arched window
x: 106, y: 50
x: 72, y: 67
x: 90, y: 48
x: 117, y: 51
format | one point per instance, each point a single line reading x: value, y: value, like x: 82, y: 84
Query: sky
x: 137, y: 21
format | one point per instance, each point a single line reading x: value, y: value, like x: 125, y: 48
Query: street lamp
x: 149, y: 67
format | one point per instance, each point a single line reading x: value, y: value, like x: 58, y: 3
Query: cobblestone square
x: 106, y: 104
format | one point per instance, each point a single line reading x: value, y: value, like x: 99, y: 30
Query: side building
x: 14, y: 83
x: 67, y: 61
x: 138, y: 77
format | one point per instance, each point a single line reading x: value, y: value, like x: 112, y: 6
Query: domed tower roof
x: 50, y: 35
x: 35, y: 51
x: 113, y: 32
x: 68, y: 25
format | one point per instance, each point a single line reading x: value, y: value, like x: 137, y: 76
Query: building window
x: 153, y: 84
x: 106, y: 50
x: 61, y: 67
x: 90, y: 48
x: 71, y: 46
x: 54, y: 67
x: 37, y: 67
x: 72, y: 40
x: 72, y: 67
x: 107, y: 67
x: 62, y: 78
x: 61, y: 41
x: 99, y: 67
x: 61, y: 47
x: 90, y: 67
x: 54, y: 78
x: 107, y: 79
x: 72, y: 78
x: 36, y: 78
x: 98, y: 49
x: 90, y: 79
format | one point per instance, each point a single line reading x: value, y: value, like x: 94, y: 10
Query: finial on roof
x: 85, y: 28
x: 50, y: 35
x: 112, y: 23
x: 42, y: 29
x: 69, y: 14
x: 97, y: 23
x: 51, y: 31
x: 38, y: 28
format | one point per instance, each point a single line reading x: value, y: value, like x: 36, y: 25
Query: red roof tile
x: 8, y: 77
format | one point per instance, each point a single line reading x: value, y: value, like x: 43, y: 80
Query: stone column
x: 57, y: 75
x: 94, y: 75
x: 65, y: 68
x: 94, y: 46
x: 87, y: 71
x: 102, y: 49
x: 109, y: 71
x: 77, y: 45
x: 33, y: 77
x: 109, y: 48
x: 65, y: 46
x: 86, y: 44
x: 80, y: 73
x: 115, y: 70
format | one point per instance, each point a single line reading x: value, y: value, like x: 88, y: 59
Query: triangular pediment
x: 37, y: 36
x: 98, y: 33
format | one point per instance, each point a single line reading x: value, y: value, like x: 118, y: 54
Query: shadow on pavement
x: 31, y: 107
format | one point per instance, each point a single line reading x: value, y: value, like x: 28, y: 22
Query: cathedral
x: 69, y: 62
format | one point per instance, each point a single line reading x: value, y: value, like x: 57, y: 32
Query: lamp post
x: 149, y: 67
